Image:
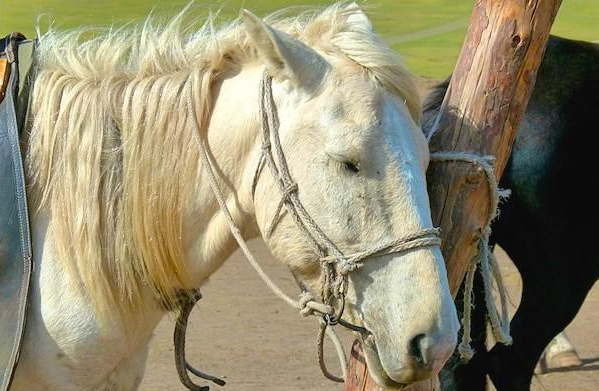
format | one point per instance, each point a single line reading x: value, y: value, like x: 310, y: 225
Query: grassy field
x: 428, y: 33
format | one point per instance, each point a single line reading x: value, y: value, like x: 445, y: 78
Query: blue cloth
x: 15, y: 242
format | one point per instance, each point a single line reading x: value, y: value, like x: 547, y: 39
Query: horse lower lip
x: 370, y: 340
x: 371, y: 350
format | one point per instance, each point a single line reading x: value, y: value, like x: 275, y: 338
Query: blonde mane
x: 110, y: 152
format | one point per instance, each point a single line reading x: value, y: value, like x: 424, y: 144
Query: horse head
x: 358, y: 159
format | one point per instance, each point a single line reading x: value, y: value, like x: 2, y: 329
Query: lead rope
x: 187, y: 302
x: 500, y: 324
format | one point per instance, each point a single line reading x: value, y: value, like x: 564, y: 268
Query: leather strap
x: 15, y: 239
x: 4, y: 74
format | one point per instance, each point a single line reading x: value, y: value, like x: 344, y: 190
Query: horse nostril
x: 417, y: 350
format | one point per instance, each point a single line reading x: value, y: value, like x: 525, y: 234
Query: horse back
x: 553, y: 154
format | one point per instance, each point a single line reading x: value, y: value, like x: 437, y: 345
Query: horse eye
x: 350, y: 166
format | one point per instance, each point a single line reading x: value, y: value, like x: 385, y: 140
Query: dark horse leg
x: 555, y: 284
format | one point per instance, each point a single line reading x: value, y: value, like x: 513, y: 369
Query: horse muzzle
x: 423, y: 359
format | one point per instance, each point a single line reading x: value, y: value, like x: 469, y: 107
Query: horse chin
x: 375, y: 368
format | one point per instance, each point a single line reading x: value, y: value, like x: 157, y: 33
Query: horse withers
x: 123, y: 216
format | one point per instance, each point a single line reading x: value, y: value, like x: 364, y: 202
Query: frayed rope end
x: 466, y: 351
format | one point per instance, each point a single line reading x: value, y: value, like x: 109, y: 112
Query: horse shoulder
x: 64, y: 348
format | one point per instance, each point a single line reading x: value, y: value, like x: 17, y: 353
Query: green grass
x: 432, y: 52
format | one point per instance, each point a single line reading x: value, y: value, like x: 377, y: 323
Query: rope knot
x: 309, y: 305
x: 289, y: 189
x: 285, y: 194
x: 339, y: 286
x: 347, y: 265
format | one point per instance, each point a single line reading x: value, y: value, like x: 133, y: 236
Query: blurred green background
x: 428, y: 33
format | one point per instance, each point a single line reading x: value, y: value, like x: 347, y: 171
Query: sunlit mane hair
x: 111, y: 151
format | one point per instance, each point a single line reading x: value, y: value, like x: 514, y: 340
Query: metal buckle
x: 330, y: 320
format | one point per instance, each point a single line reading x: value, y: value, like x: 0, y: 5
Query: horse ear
x: 358, y: 17
x: 285, y: 57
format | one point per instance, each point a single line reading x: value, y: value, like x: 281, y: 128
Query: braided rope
x: 422, y: 238
x: 292, y: 188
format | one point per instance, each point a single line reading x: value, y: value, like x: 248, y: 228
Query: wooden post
x: 489, y: 90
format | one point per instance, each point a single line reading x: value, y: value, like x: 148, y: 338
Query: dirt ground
x: 241, y: 332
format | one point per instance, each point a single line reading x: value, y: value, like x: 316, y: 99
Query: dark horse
x: 549, y: 224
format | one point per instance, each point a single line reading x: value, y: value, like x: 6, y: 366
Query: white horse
x: 123, y: 216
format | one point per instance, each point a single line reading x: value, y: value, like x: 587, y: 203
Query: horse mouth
x: 375, y: 367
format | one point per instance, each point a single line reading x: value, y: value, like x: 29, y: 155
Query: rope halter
x: 335, y: 265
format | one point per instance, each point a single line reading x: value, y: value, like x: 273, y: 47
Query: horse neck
x: 232, y: 144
